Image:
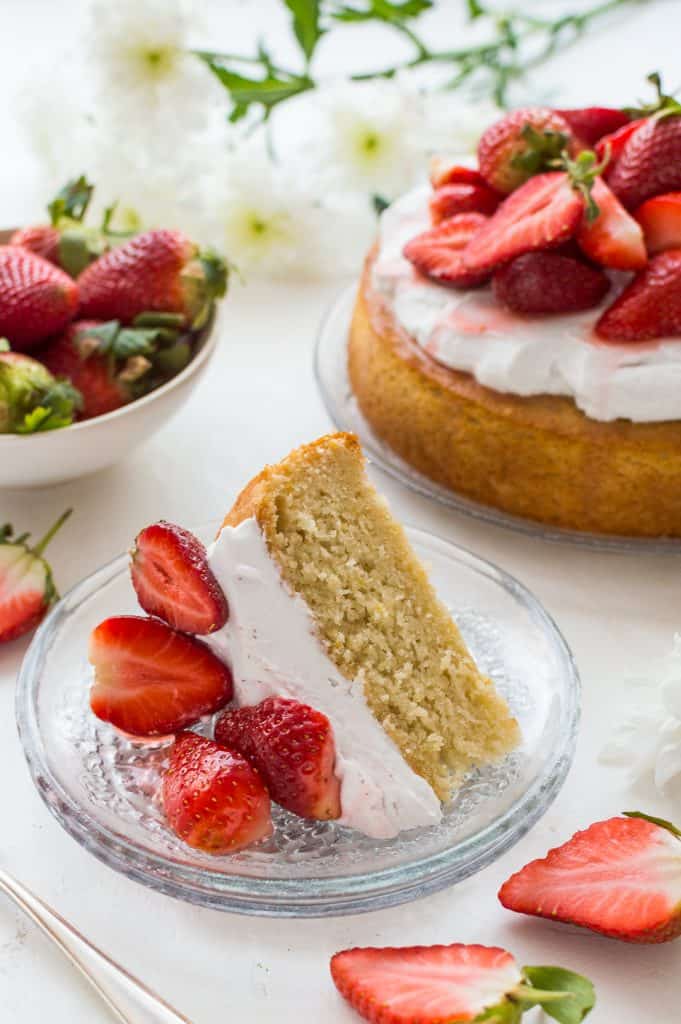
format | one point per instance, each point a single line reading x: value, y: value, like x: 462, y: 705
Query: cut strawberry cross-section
x: 620, y: 877
x: 448, y: 200
x: 437, y: 253
x: 449, y: 984
x: 292, y: 747
x: 660, y: 220
x: 151, y: 680
x: 173, y: 580
x: 613, y: 238
x: 541, y: 214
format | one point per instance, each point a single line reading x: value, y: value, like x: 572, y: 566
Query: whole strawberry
x: 650, y: 305
x: 549, y: 282
x: 157, y: 271
x: 111, y: 365
x: 521, y: 144
x: 455, y: 983
x: 213, y: 798
x: 31, y: 400
x: 291, y: 745
x: 620, y: 877
x: 27, y: 589
x: 37, y: 299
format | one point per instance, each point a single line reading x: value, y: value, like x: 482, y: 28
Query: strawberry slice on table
x: 660, y: 220
x: 589, y: 124
x: 650, y: 305
x: 449, y: 200
x: 620, y: 877
x: 173, y: 580
x: 521, y: 144
x: 549, y: 282
x: 27, y: 589
x: 37, y: 299
x: 438, y: 252
x: 156, y: 271
x: 443, y: 172
x: 613, y: 238
x: 449, y: 984
x: 151, y: 680
x: 541, y: 214
x: 292, y: 747
x: 213, y: 798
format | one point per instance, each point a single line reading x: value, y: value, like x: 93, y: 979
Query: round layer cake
x: 531, y: 415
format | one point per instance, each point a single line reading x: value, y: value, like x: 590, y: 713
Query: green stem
x: 533, y: 996
x: 40, y: 547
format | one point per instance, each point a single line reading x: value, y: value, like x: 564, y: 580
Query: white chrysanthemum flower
x: 371, y: 136
x: 647, y: 743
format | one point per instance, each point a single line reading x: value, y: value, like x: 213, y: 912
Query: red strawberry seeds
x: 37, y: 299
x: 173, y: 580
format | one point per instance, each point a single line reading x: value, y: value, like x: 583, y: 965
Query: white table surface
x: 616, y: 611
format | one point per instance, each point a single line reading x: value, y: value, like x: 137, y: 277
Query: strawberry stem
x: 654, y: 821
x: 40, y: 547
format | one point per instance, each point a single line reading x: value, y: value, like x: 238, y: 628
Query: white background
x: 617, y: 612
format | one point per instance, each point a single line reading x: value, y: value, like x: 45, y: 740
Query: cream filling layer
x: 542, y: 355
x: 270, y: 643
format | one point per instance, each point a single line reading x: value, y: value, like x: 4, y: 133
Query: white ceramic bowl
x: 37, y: 460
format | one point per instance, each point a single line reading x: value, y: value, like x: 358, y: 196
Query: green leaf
x: 503, y: 1013
x: 105, y: 334
x: 266, y: 92
x: 384, y: 10
x: 475, y: 9
x: 306, y: 26
x: 654, y: 821
x: 379, y: 203
x: 578, y: 994
x: 57, y: 408
x: 134, y: 341
x: 72, y: 201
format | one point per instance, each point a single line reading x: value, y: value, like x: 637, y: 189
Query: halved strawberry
x: 590, y: 124
x: 620, y: 877
x: 613, y: 238
x: 549, y: 282
x: 443, y: 172
x: 521, y: 144
x: 173, y: 580
x: 448, y: 200
x: 449, y: 984
x: 541, y: 214
x: 151, y: 680
x: 292, y: 747
x: 213, y: 798
x: 660, y: 220
x: 27, y: 589
x: 437, y: 253
x: 650, y: 305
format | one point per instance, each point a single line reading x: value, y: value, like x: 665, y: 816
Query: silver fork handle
x: 129, y: 1000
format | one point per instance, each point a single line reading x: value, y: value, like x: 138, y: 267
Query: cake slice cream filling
x: 270, y: 643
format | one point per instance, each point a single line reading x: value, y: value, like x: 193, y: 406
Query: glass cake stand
x: 331, y: 371
x: 103, y: 788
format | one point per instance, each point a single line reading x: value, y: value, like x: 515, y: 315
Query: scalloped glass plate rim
x: 339, y: 403
x: 337, y: 895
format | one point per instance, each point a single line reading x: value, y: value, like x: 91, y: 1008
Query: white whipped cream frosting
x: 270, y: 643
x: 542, y: 355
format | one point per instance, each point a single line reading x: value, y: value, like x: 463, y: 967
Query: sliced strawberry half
x: 620, y: 877
x: 613, y: 238
x: 173, y: 580
x: 213, y: 798
x: 448, y: 984
x: 443, y: 172
x: 27, y: 589
x: 549, y: 282
x: 292, y: 747
x: 151, y: 680
x: 448, y: 200
x: 589, y: 124
x: 660, y: 220
x: 438, y: 253
x: 541, y: 214
x: 650, y: 305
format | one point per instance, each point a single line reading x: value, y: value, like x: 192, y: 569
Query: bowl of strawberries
x: 104, y: 332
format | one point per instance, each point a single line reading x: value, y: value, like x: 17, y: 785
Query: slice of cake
x: 328, y: 605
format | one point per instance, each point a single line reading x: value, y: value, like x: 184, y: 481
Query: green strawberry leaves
x: 540, y: 150
x: 654, y: 821
x: 72, y: 200
x: 664, y: 104
x: 57, y: 409
x: 563, y: 995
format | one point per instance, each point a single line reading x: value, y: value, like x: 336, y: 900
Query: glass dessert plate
x: 102, y: 788
x: 331, y: 371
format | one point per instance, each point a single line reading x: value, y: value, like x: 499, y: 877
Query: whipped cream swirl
x: 541, y: 355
